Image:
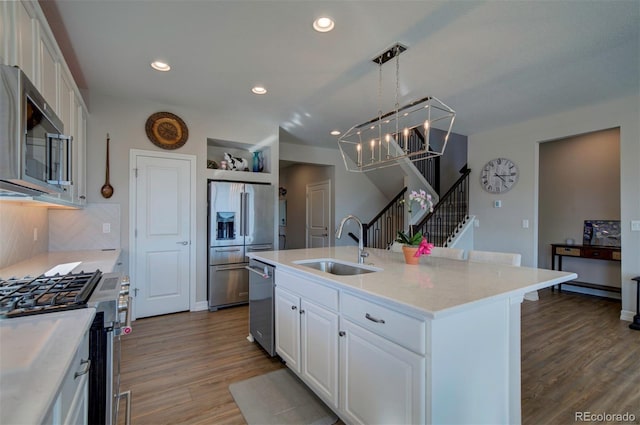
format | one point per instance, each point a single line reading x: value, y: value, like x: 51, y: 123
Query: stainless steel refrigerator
x: 241, y: 220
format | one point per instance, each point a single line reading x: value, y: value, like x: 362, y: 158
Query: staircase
x: 449, y: 215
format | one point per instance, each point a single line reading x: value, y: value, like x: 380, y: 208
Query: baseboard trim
x: 627, y: 315
x: 200, y: 306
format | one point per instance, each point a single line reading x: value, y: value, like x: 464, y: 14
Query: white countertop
x: 36, y: 351
x: 435, y: 287
x: 90, y: 260
x: 35, y: 354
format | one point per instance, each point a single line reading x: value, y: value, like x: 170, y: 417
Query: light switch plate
x: 106, y: 227
x: 635, y: 225
x: 525, y: 224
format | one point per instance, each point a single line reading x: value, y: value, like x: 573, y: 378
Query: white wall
x: 501, y: 230
x: 354, y: 193
x: 124, y: 120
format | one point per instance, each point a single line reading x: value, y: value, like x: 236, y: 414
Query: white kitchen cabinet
x: 47, y: 82
x: 307, y: 340
x: 319, y: 331
x: 287, y: 324
x: 380, y: 381
x: 18, y: 47
x: 26, y: 41
x: 80, y: 155
x: 71, y: 403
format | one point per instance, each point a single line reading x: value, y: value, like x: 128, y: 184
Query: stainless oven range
x: 108, y: 293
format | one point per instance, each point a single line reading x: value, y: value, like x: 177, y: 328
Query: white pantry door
x: 318, y: 214
x: 162, y: 226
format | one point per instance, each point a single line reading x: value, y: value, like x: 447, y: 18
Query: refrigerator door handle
x: 251, y: 248
x: 228, y: 250
x: 231, y: 267
x: 245, y: 213
x: 242, y: 208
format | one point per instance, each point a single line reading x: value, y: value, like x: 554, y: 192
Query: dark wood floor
x: 577, y: 356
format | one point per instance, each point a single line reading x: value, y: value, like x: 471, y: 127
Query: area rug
x: 280, y: 398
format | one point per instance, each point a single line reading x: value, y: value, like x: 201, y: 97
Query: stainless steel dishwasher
x: 261, y: 304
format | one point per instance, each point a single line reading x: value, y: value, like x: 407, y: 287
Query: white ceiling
x: 494, y: 62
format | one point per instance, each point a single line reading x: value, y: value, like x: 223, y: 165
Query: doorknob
x: 183, y: 243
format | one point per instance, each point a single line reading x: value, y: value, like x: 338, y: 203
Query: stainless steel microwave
x: 35, y: 155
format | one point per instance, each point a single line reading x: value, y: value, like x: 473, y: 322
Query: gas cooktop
x: 44, y: 294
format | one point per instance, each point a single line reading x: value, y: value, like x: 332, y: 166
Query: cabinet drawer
x: 602, y: 254
x: 575, y: 252
x: 393, y: 325
x: 315, y: 292
x: 616, y: 255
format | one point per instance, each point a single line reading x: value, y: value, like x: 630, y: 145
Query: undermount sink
x: 337, y: 267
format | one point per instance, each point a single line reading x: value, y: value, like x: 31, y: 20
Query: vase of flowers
x: 415, y: 245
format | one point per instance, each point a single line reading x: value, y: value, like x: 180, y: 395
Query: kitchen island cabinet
x: 433, y: 343
x: 306, y: 333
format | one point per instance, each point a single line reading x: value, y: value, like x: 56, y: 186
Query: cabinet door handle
x: 342, y: 333
x: 293, y: 307
x: 373, y: 319
x: 85, y: 370
x: 301, y: 311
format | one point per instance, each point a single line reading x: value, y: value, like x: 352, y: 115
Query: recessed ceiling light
x: 335, y: 132
x: 323, y: 24
x: 160, y: 66
x: 259, y: 90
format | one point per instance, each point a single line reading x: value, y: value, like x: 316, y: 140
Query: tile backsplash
x: 96, y: 226
x: 20, y: 224
x: 27, y: 229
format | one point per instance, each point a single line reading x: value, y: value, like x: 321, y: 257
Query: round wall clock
x: 499, y: 175
x: 166, y: 130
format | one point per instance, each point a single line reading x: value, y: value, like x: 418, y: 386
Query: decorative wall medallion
x: 166, y: 130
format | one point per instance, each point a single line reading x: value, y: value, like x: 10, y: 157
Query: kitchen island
x: 434, y: 343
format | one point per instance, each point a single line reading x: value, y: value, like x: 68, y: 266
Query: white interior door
x: 318, y: 214
x: 162, y: 200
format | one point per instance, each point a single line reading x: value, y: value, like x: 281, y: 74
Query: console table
x: 593, y: 252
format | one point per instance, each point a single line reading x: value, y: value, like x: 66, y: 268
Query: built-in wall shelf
x: 240, y: 176
x: 216, y: 149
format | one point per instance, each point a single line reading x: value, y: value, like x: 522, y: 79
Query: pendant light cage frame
x: 390, y: 138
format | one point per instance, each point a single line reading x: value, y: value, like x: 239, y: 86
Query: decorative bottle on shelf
x: 261, y: 162
x: 256, y: 162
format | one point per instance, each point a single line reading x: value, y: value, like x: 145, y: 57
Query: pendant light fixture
x: 402, y: 134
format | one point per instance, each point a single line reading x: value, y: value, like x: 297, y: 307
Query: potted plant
x: 415, y: 245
